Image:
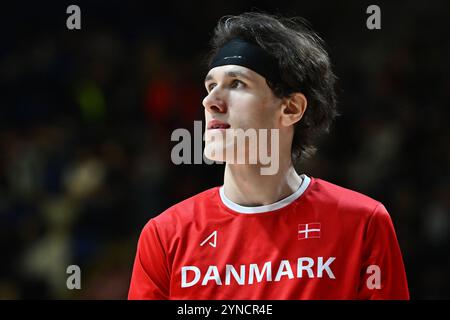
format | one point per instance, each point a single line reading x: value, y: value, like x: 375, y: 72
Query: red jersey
x: 322, y: 242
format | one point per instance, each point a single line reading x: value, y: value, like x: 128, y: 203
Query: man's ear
x: 293, y: 108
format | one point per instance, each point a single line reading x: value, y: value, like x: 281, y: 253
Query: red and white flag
x: 309, y: 230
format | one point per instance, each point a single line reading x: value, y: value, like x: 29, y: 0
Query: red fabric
x: 261, y: 256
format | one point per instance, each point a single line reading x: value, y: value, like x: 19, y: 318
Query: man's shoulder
x: 343, y: 198
x: 185, y: 210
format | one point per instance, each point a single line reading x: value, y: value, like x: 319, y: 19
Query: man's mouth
x: 216, y: 124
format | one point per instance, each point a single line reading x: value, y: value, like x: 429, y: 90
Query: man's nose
x: 214, y: 103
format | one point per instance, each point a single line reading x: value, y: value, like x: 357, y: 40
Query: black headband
x: 249, y: 55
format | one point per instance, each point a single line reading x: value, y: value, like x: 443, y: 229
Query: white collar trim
x: 270, y: 207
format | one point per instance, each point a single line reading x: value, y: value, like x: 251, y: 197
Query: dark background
x: 86, y: 117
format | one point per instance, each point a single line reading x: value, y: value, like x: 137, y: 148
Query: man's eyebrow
x: 230, y: 74
x: 237, y: 74
x: 208, y: 77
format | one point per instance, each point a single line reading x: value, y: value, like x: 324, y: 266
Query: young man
x: 269, y: 236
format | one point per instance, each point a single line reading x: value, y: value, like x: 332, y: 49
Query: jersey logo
x: 212, y: 243
x: 309, y: 230
x: 232, y: 57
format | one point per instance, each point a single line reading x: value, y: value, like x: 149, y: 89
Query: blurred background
x: 86, y: 118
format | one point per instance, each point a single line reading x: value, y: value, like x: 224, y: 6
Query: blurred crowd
x: 86, y: 118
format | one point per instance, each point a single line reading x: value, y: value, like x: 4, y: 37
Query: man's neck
x: 244, y: 184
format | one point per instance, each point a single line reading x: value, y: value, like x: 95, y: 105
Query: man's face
x: 238, y: 98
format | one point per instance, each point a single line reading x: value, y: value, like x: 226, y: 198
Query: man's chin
x: 214, y: 152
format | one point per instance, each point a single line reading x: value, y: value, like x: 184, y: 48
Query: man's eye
x: 211, y: 86
x: 237, y: 84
